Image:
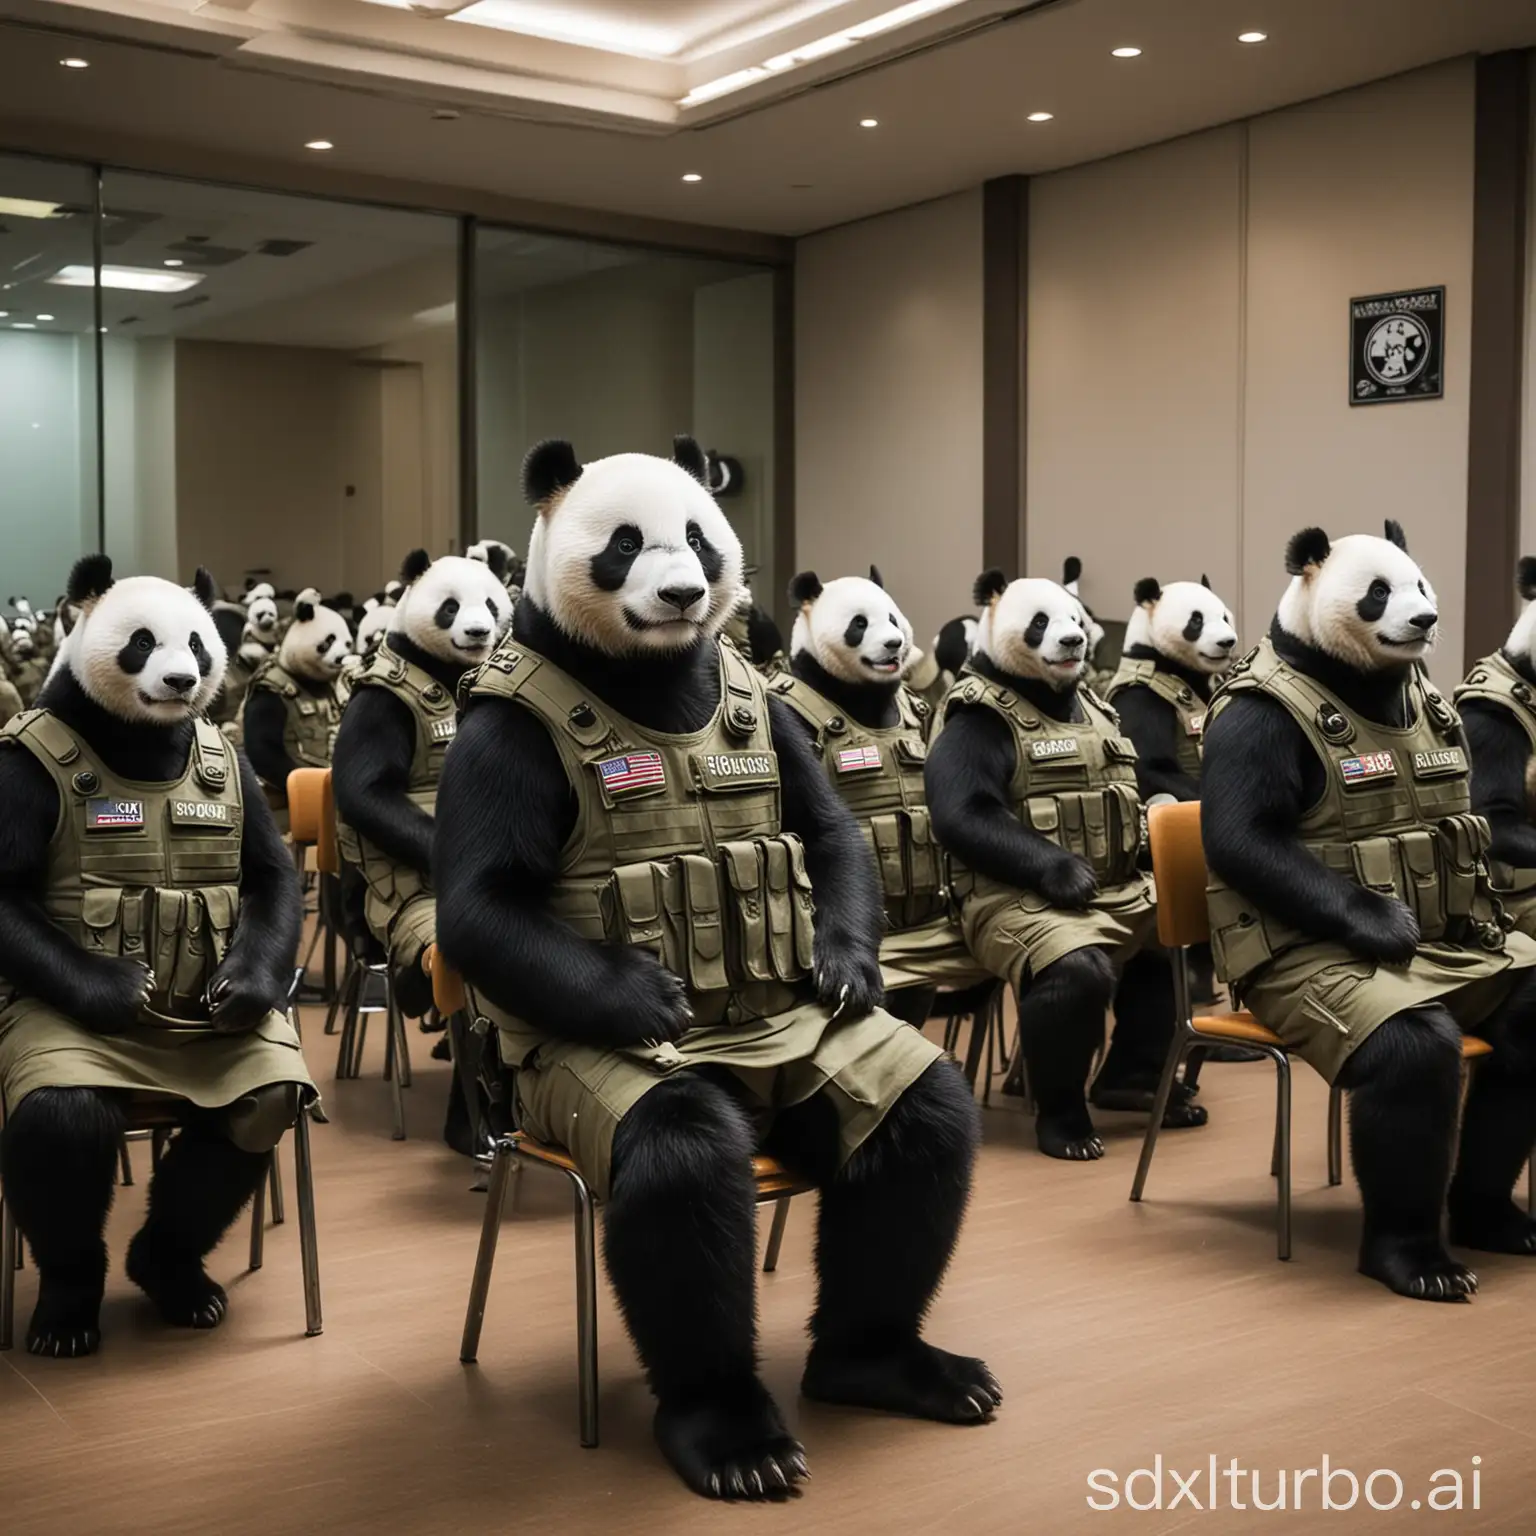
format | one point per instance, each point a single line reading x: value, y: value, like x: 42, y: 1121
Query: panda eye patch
x: 447, y: 612
x: 143, y: 640
x: 610, y: 565
x: 138, y: 650
x: 1195, y: 626
x: 1374, y: 603
x: 1035, y: 633
x: 854, y: 634
x: 709, y: 556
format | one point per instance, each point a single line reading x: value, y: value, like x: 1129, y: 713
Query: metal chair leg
x: 502, y: 1160
x: 275, y: 1180
x: 1335, y: 1135
x: 586, y: 1309
x: 309, y: 1253
x: 776, y: 1234
x: 259, y: 1224
x: 10, y: 1247
x: 1530, y: 1186
x: 1283, y: 1123
x: 1180, y: 1043
x: 396, y: 1055
x: 333, y: 1008
x: 346, y: 1005
x: 126, y: 1162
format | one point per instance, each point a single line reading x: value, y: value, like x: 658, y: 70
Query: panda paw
x: 183, y: 1292
x: 848, y: 977
x: 1069, y: 883
x: 1416, y: 1267
x: 733, y: 1448
x: 119, y: 990
x: 1497, y: 1226
x: 238, y: 1002
x: 1382, y: 928
x: 646, y: 1003
x: 66, y: 1323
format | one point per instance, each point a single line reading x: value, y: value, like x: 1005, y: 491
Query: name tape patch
x: 199, y: 813
x: 858, y: 759
x: 1371, y: 765
x: 1443, y: 761
x: 445, y: 729
x: 736, y: 770
x: 1055, y: 746
x: 632, y: 774
x: 109, y: 815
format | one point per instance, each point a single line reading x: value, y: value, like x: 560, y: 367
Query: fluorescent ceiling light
x: 75, y: 63
x: 1041, y: 117
x: 25, y: 208
x: 692, y: 176
x: 23, y: 325
x: 142, y: 279
x: 1126, y: 53
x: 723, y: 86
x: 319, y: 144
x: 174, y: 261
x: 1252, y: 37
x: 869, y: 122
x: 914, y: 10
x: 45, y: 318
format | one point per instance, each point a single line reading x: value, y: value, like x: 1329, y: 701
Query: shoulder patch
x: 1367, y: 767
x: 113, y: 815
x: 865, y: 759
x: 632, y: 773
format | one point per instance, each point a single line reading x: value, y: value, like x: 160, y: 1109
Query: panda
x: 1032, y: 790
x: 1178, y: 641
x: 621, y: 786
x: 396, y: 728
x: 502, y: 559
x: 1098, y: 675
x: 294, y: 701
x: 753, y: 631
x: 1351, y: 910
x: 146, y: 901
x: 378, y: 615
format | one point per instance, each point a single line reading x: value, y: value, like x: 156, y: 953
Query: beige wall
x: 888, y: 342
x: 1189, y: 347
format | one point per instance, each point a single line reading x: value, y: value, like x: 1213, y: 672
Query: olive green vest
x: 1495, y: 681
x: 1395, y: 816
x: 309, y: 719
x: 1143, y: 672
x: 434, y: 719
x: 1074, y: 783
x: 678, y: 844
x: 879, y: 774
x: 147, y: 871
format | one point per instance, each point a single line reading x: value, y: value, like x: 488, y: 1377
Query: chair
x: 312, y: 821
x: 983, y: 1005
x: 1178, y: 866
x: 775, y: 1184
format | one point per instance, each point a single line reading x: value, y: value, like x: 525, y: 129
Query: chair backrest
x: 447, y: 985
x: 1178, y: 866
x: 312, y: 815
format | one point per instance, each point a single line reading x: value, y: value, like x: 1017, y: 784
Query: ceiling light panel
x: 140, y: 279
x: 559, y: 24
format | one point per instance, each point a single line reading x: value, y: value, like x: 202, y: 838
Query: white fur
x: 883, y: 644
x: 171, y: 615
x: 1161, y: 624
x: 315, y: 648
x: 484, y: 610
x: 373, y: 626
x: 262, y: 589
x: 1061, y: 656
x: 1319, y: 606
x: 660, y: 499
x: 261, y: 620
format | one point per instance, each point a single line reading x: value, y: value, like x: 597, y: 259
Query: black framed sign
x: 1397, y: 347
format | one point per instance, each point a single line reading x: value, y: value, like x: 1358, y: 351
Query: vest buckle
x: 1333, y: 726
x: 86, y: 782
x: 741, y: 720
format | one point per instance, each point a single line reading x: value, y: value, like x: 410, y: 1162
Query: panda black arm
x: 504, y: 811
x: 1500, y: 755
x: 37, y: 957
x: 371, y: 771
x: 970, y: 767
x: 257, y: 972
x: 1254, y: 791
x: 263, y: 736
x: 850, y: 906
x: 1152, y: 724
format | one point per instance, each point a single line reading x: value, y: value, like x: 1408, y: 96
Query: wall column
x: 1005, y: 403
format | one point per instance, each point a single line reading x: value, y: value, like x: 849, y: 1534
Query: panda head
x: 1184, y: 621
x: 1071, y: 579
x: 850, y: 628
x: 1360, y: 599
x: 316, y: 644
x: 629, y: 554
x: 1521, y: 645
x: 1032, y: 628
x: 255, y: 590
x: 261, y: 619
x: 455, y: 608
x: 144, y: 649
x: 374, y: 625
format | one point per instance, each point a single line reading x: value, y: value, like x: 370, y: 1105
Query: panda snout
x: 1227, y: 644
x: 894, y: 644
x: 180, y: 682
x: 477, y: 632
x: 681, y: 598
x: 1072, y: 642
x: 1425, y: 621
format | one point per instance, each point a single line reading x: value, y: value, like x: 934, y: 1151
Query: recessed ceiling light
x: 174, y: 261
x: 319, y: 144
x: 1126, y: 53
x: 692, y: 176
x: 142, y: 279
x: 869, y: 122
x: 45, y: 318
x: 1252, y: 37
x: 1041, y: 117
x: 27, y: 208
x: 23, y: 325
x: 75, y: 63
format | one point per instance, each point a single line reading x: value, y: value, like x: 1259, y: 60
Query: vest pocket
x: 802, y: 911
x: 781, y: 919
x: 1421, y: 875
x: 1239, y: 941
x: 705, y: 930
x: 1374, y: 865
x: 1464, y: 842
x: 101, y: 921
x: 636, y: 909
x: 743, y: 864
x: 170, y: 939
x: 926, y: 873
x: 886, y: 834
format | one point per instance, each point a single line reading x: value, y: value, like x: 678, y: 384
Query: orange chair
x: 775, y: 1184
x: 1178, y: 866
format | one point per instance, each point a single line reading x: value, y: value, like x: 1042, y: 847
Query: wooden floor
x: 1120, y: 1333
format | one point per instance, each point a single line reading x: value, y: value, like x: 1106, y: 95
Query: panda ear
x: 496, y: 558
x: 90, y: 578
x: 414, y: 566
x: 203, y: 588
x: 1395, y: 534
x: 874, y: 576
x: 1525, y: 576
x: 305, y: 603
x: 1309, y: 548
x: 990, y: 586
x: 1147, y: 591
x: 1205, y: 581
x: 804, y: 589
x: 687, y: 454
x: 549, y: 469
x: 1071, y: 570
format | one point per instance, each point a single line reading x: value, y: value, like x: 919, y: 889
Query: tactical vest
x: 1496, y: 681
x: 678, y: 844
x: 146, y: 871
x: 1395, y: 816
x: 434, y: 721
x: 879, y: 775
x: 1143, y: 672
x: 309, y: 719
x: 1074, y: 782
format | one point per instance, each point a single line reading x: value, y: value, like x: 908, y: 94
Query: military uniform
x: 229, y: 707
x: 1495, y: 680
x: 879, y: 775
x: 399, y: 906
x: 1395, y: 816
x: 678, y: 848
x: 1074, y: 784
x: 150, y: 872
x: 310, y: 722
x: 738, y: 636
x: 1143, y: 672
x: 929, y: 682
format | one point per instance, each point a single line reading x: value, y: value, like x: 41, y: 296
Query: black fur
x: 805, y: 588
x: 872, y: 704
x: 90, y: 577
x: 1525, y: 576
x: 1500, y: 754
x: 687, y: 454
x: 203, y: 588
x: 710, y: 560
x: 498, y: 560
x: 415, y: 566
x: 610, y: 566
x: 1309, y: 547
x: 1071, y: 570
x: 548, y: 469
x: 1395, y: 535
x: 263, y: 734
x: 875, y: 576
x: 951, y: 650
x: 1152, y: 725
x: 988, y: 585
x: 1148, y: 590
x: 304, y: 610
x: 764, y: 638
x: 1194, y: 626
x: 135, y: 654
x: 447, y: 612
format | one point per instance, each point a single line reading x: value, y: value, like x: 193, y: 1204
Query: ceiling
x: 598, y: 128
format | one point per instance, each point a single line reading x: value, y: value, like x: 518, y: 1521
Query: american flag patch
x: 1373, y: 765
x: 1196, y: 726
x: 858, y: 759
x: 632, y: 773
x: 113, y: 813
